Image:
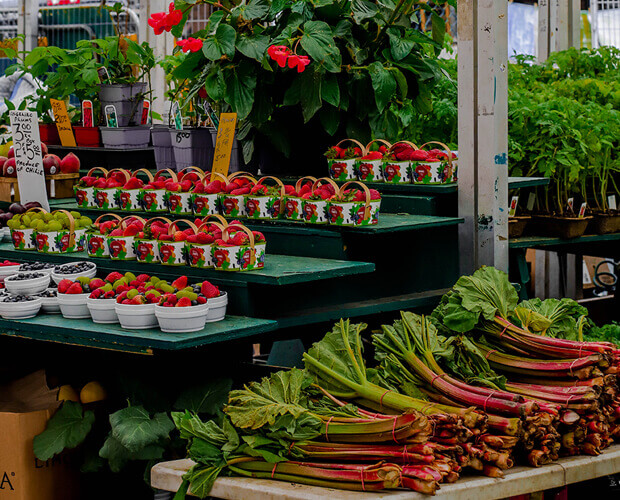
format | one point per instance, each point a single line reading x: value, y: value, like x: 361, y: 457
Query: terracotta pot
x: 516, y: 225
x: 604, y: 223
x: 561, y: 227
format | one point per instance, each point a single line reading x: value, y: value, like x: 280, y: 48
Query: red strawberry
x: 122, y: 296
x: 143, y: 278
x: 192, y: 238
x: 184, y: 302
x: 204, y: 238
x: 375, y: 195
x: 171, y: 298
x: 180, y: 283
x: 201, y: 300
x: 117, y: 232
x: 74, y: 289
x: 109, y: 295
x: 113, y: 276
x: 134, y: 183
x: 165, y: 237
x: 239, y: 238
x: 122, y: 288
x: 258, y: 236
x: 180, y: 236
x: 240, y: 191
x: 138, y: 300
x: 131, y: 230
x: 64, y: 285
x: 418, y: 155
x: 186, y: 185
x: 95, y: 294
x: 96, y: 283
x: 209, y: 290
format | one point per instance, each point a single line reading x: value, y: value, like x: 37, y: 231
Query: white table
x: 517, y: 481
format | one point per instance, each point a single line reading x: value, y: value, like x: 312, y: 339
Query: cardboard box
x: 25, y: 407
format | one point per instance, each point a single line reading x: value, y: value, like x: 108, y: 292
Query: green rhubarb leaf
x: 222, y: 436
x: 201, y: 479
x: 66, y: 429
x: 134, y: 427
x: 118, y: 455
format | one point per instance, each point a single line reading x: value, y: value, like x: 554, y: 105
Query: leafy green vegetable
x: 552, y: 317
x: 605, y: 333
x: 66, y: 429
x: 134, y: 428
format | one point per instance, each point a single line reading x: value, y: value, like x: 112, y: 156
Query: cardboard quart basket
x: 80, y: 236
x: 128, y: 200
x: 96, y: 243
x: 147, y: 249
x: 180, y: 203
x: 315, y: 211
x: 23, y: 239
x: 105, y: 198
x: 354, y: 213
x: 270, y: 207
x: 204, y: 204
x: 199, y: 255
x: 232, y: 205
x: 293, y: 204
x: 153, y: 200
x: 122, y: 247
x: 397, y: 171
x: 56, y: 242
x: 238, y: 257
x: 174, y: 253
x: 370, y: 170
x: 344, y: 170
x: 435, y: 172
x: 85, y: 196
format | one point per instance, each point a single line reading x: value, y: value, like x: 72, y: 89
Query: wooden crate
x: 63, y: 187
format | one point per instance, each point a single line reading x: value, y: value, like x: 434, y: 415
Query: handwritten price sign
x: 63, y: 123
x: 224, y: 144
x: 28, y: 158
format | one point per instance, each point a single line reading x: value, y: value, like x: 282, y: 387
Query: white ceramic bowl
x: 27, y: 287
x: 6, y: 233
x: 73, y: 305
x: 8, y: 270
x: 47, y: 270
x: 136, y: 317
x: 182, y: 319
x: 102, y: 310
x: 49, y: 305
x: 91, y: 273
x: 20, y: 310
x: 217, y: 308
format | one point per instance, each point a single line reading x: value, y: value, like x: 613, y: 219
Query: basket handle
x: 144, y: 171
x: 218, y: 217
x: 449, y: 155
x: 123, y: 222
x: 174, y: 225
x: 186, y: 170
x: 277, y: 181
x: 71, y: 226
x: 172, y: 174
x: 357, y: 143
x: 402, y: 142
x: 122, y: 171
x: 299, y: 183
x: 148, y: 223
x: 366, y: 192
x: 329, y: 181
x: 114, y: 216
x: 95, y: 169
x: 206, y: 224
x: 382, y: 141
x: 252, y: 180
x: 238, y: 173
x: 36, y: 209
x: 241, y: 227
x: 214, y: 175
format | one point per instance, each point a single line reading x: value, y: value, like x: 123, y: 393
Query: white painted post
x: 594, y: 23
x: 543, y: 30
x: 574, y: 24
x: 162, y: 45
x: 28, y: 23
x: 483, y: 133
x: 559, y: 25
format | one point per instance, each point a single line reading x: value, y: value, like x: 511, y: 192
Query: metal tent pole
x: 483, y: 133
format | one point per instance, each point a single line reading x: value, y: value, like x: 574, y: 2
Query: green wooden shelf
x: 545, y: 241
x: 524, y: 182
x: 279, y: 269
x: 83, y: 332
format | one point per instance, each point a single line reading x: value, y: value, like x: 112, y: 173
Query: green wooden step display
x: 83, y: 332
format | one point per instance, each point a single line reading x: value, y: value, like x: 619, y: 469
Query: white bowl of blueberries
x: 49, y: 301
x: 74, y: 270
x: 19, y: 306
x: 41, y: 267
x: 27, y: 283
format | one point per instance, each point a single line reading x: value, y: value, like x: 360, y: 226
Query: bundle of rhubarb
x: 573, y: 382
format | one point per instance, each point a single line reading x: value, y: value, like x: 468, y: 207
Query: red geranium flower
x: 165, y: 21
x: 298, y: 61
x: 190, y: 45
x: 279, y: 53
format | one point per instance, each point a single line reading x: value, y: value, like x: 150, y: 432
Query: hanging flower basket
x: 84, y: 190
x: 434, y: 166
x: 205, y: 203
x: 342, y: 161
x: 293, y: 203
x: 396, y: 168
x: 152, y: 195
x: 96, y: 240
x: 266, y: 203
x: 369, y: 166
x: 314, y: 204
x: 352, y: 209
x: 127, y: 198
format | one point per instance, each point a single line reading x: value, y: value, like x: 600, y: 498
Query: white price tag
x: 513, y: 206
x: 28, y: 157
x: 530, y: 202
x: 611, y: 201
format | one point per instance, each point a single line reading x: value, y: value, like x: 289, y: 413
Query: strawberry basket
x: 23, y: 235
x: 145, y: 243
x: 314, y: 203
x: 266, y: 202
x: 434, y: 166
x: 232, y: 202
x: 105, y: 196
x: 127, y: 197
x: 199, y: 247
x: 396, y: 167
x: 369, y: 166
x: 121, y: 240
x: 354, y: 207
x: 152, y: 195
x: 205, y: 196
x: 172, y: 246
x: 235, y: 253
x: 342, y: 161
x: 96, y: 238
x: 293, y: 203
x: 84, y: 190
x: 59, y: 236
x: 178, y: 194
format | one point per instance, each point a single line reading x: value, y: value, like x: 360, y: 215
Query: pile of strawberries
x: 106, y: 227
x: 406, y: 152
x: 239, y: 238
x: 375, y: 155
x: 338, y: 153
x: 214, y: 187
x: 80, y: 285
x: 189, y: 295
x: 357, y: 195
x: 133, y: 228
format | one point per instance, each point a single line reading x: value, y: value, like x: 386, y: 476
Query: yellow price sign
x: 63, y: 123
x: 224, y: 144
